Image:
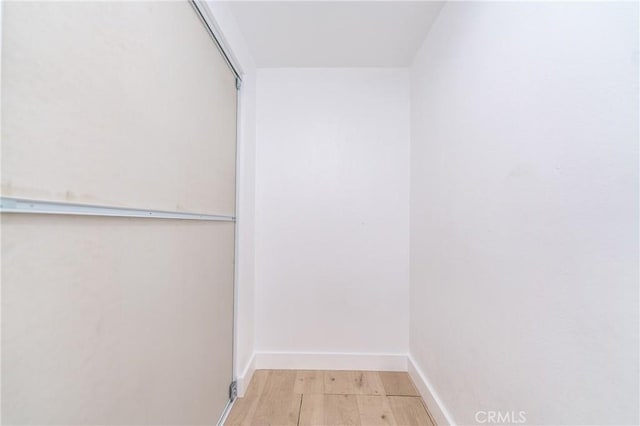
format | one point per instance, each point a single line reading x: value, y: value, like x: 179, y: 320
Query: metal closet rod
x: 20, y: 205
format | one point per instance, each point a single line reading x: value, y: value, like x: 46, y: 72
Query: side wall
x: 524, y: 211
x: 332, y: 231
x: 245, y: 253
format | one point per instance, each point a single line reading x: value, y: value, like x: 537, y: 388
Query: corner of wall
x: 243, y: 380
x: 434, y: 404
x: 232, y: 39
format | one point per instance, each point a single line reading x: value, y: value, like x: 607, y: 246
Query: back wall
x: 332, y: 212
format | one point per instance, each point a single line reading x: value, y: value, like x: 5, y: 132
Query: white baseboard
x: 437, y: 409
x: 242, y: 381
x: 330, y: 361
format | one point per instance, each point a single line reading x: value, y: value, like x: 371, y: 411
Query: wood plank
x: 339, y: 382
x: 242, y: 412
x: 322, y: 410
x: 309, y: 382
x: 369, y: 383
x: 286, y: 397
x: 375, y: 410
x: 257, y: 384
x: 244, y: 408
x: 278, y: 405
x: 341, y: 410
x: 410, y: 411
x: 312, y: 410
x: 397, y: 383
x: 353, y: 383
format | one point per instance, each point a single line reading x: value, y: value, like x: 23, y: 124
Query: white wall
x: 245, y: 291
x: 332, y: 212
x: 524, y: 210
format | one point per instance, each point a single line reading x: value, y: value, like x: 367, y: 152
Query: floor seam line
x: 404, y: 396
x: 300, y: 409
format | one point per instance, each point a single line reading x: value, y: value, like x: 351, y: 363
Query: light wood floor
x: 367, y: 398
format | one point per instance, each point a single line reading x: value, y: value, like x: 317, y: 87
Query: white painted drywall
x: 245, y: 291
x: 245, y: 305
x: 524, y: 211
x: 332, y: 211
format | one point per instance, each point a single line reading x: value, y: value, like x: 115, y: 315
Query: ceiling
x: 334, y: 33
